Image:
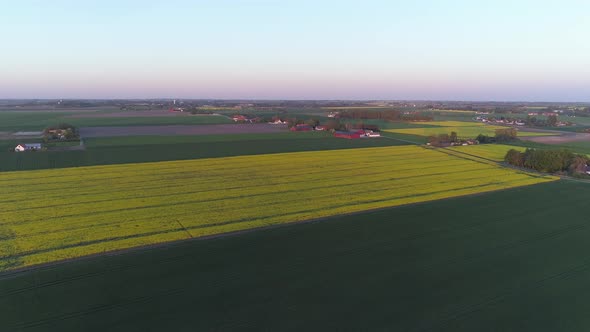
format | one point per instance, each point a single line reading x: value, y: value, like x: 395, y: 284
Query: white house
x: 370, y: 133
x: 25, y: 147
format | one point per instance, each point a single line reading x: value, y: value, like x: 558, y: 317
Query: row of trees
x: 551, y: 121
x: 332, y: 124
x: 443, y: 139
x: 389, y: 115
x: 502, y: 135
x: 550, y: 161
x: 369, y: 114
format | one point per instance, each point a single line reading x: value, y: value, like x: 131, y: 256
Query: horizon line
x: 299, y: 100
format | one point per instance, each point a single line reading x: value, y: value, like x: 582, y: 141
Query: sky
x: 518, y: 50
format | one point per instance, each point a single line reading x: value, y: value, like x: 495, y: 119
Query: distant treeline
x: 550, y: 161
x: 502, y: 135
x: 388, y: 115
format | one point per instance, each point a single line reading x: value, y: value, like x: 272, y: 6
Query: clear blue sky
x: 371, y: 49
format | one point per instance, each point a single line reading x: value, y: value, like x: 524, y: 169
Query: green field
x: 139, y: 149
x: 185, y: 139
x: 514, y: 260
x: 57, y: 214
x: 33, y: 121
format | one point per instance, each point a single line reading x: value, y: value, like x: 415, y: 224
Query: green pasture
x: 36, y: 121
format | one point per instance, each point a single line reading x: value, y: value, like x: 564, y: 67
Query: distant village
x: 338, y: 130
x: 533, y: 119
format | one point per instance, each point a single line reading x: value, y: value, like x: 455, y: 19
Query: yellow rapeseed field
x: 49, y: 215
x: 462, y: 128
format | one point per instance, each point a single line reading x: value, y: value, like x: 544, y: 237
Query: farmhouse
x: 239, y: 118
x: 370, y: 133
x: 27, y: 147
x: 244, y: 118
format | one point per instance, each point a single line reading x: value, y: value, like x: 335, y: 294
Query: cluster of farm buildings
x: 28, y: 147
x: 358, y: 133
x: 245, y: 118
x: 354, y: 134
x: 500, y: 121
x: 517, y: 122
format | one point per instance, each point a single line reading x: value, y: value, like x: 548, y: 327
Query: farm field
x: 51, y: 215
x: 32, y: 121
x: 213, y: 129
x: 463, y: 129
x: 140, y: 149
x: 495, y: 152
x: 92, y: 142
x: 497, y: 261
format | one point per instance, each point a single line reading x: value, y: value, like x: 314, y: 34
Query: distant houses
x: 360, y: 133
x: 244, y: 118
x: 338, y: 131
x: 370, y: 133
x: 239, y: 118
x: 27, y: 147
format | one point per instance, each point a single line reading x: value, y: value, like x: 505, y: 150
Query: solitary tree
x: 453, y: 137
x: 552, y: 121
x: 508, y: 134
